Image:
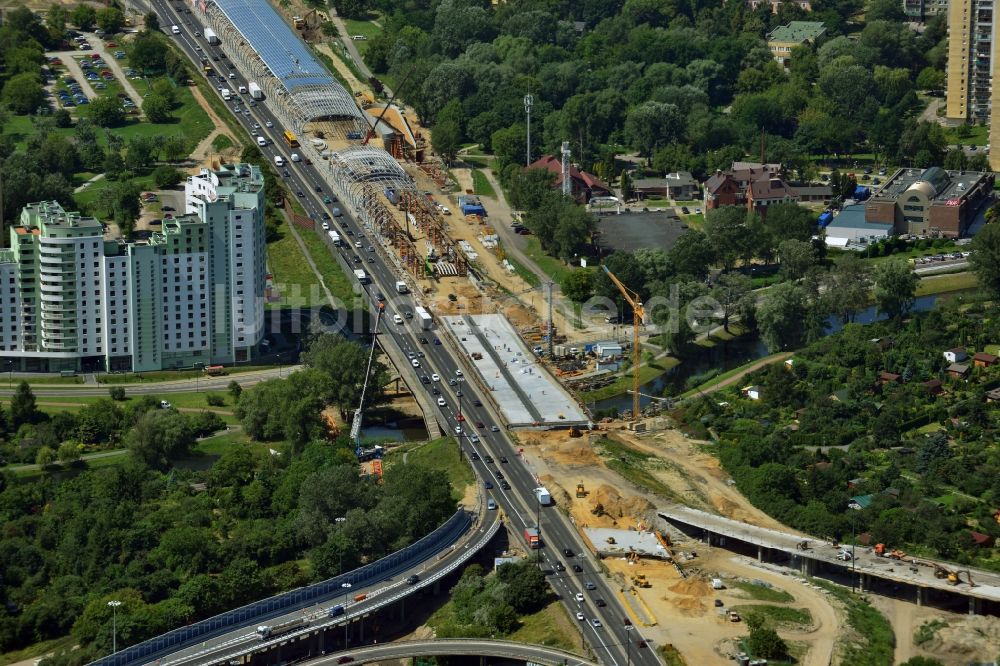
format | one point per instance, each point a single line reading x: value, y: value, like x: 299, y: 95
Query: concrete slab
x: 519, y: 386
x: 625, y: 542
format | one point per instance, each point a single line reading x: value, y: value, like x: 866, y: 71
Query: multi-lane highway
x: 575, y: 575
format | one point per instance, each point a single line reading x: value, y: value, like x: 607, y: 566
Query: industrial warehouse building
x: 930, y: 202
x: 75, y: 299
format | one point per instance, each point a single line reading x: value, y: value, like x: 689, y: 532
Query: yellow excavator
x: 580, y: 490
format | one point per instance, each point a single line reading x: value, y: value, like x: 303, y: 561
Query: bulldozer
x: 580, y: 490
x: 639, y: 580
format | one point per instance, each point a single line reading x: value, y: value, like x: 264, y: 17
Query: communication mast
x: 567, y: 184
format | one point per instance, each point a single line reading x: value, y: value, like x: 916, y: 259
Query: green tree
x: 796, y: 257
x: 166, y: 176
x: 985, y: 258
x: 23, y: 407
x: 780, y: 316
x: 653, y: 124
x: 578, y: 285
x: 727, y: 230
x: 692, y: 254
x: 69, y: 452
x: 117, y: 393
x: 509, y: 145
x: 627, y: 188
x: 930, y: 79
x: 152, y: 22
x: 527, y: 590
x: 83, y: 16
x: 235, y: 390
x: 446, y: 139
x: 45, y: 457
x: 105, y: 111
x: 157, y: 109
x: 149, y: 52
x: 55, y: 22
x: 895, y: 287
x: 730, y: 291
x: 765, y: 642
x: 847, y: 287
x: 159, y: 436
x: 790, y: 221
x: 23, y: 93
x: 125, y: 205
x: 345, y: 364
x: 110, y: 20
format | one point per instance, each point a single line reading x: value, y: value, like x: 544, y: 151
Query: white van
x: 262, y: 142
x: 279, y: 160
x: 227, y: 94
x: 243, y: 90
x: 175, y: 29
x: 296, y: 158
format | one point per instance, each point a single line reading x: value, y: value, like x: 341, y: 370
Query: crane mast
x: 638, y: 315
x: 356, y: 421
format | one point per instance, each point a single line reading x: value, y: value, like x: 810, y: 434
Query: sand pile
x: 689, y: 605
x: 691, y: 587
x: 617, y: 506
x: 974, y: 638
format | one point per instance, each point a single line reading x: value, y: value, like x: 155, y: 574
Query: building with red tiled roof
x: 585, y: 186
x: 749, y: 184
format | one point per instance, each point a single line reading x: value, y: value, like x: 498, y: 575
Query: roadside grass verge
x: 333, y: 275
x: 174, y: 375
x: 553, y: 267
x: 221, y: 142
x: 294, y: 279
x: 440, y: 454
x: 760, y: 592
x: 939, y: 284
x: 482, y: 186
x: 877, y: 640
x: 548, y: 627
x: 719, y: 378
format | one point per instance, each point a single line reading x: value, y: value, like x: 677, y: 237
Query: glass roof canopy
x: 309, y: 86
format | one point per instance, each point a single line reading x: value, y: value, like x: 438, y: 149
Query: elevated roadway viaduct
x: 914, y: 579
x: 506, y: 651
x: 612, y: 641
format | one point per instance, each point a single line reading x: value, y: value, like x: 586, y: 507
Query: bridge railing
x: 289, y: 601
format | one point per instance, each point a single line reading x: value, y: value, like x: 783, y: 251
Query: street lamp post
x: 114, y: 624
x: 345, y: 587
x: 628, y: 645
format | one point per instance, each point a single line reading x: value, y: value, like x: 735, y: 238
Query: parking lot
x: 85, y: 74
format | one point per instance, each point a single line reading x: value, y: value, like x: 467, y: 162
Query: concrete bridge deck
x: 918, y: 572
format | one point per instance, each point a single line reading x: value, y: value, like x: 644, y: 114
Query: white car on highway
x: 579, y: 597
x: 441, y: 402
x: 435, y: 377
x: 415, y: 363
x: 579, y: 616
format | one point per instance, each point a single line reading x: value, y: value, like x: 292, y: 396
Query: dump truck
x: 543, y: 495
x: 532, y: 537
x: 255, y: 91
x: 426, y: 321
x: 265, y: 631
x: 211, y: 37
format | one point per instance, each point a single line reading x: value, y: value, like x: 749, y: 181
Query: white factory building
x: 72, y: 298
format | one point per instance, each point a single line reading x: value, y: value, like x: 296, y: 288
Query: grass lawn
x: 221, y: 142
x: 975, y: 135
x: 366, y: 28
x: 776, y: 616
x: 647, y: 373
x: 334, y: 277
x: 53, y: 405
x: 293, y: 277
x: 549, y: 626
x: 216, y: 446
x: 760, y: 592
x: 877, y: 639
x: 940, y: 284
x: 439, y: 454
x: 89, y: 197
x: 525, y: 274
x: 45, y: 380
x: 37, y: 650
x: 481, y: 186
x: 553, y: 267
x: 634, y: 465
x: 172, y: 375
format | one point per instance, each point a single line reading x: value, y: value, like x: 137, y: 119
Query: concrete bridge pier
x: 760, y: 553
x: 974, y: 605
x: 437, y: 588
x: 920, y: 596
x: 808, y: 566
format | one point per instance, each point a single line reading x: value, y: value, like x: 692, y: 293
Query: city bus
x: 291, y: 140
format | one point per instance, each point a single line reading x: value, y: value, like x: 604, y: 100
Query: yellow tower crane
x: 638, y: 316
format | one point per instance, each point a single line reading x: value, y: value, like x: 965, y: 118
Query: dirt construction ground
x: 684, y: 609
